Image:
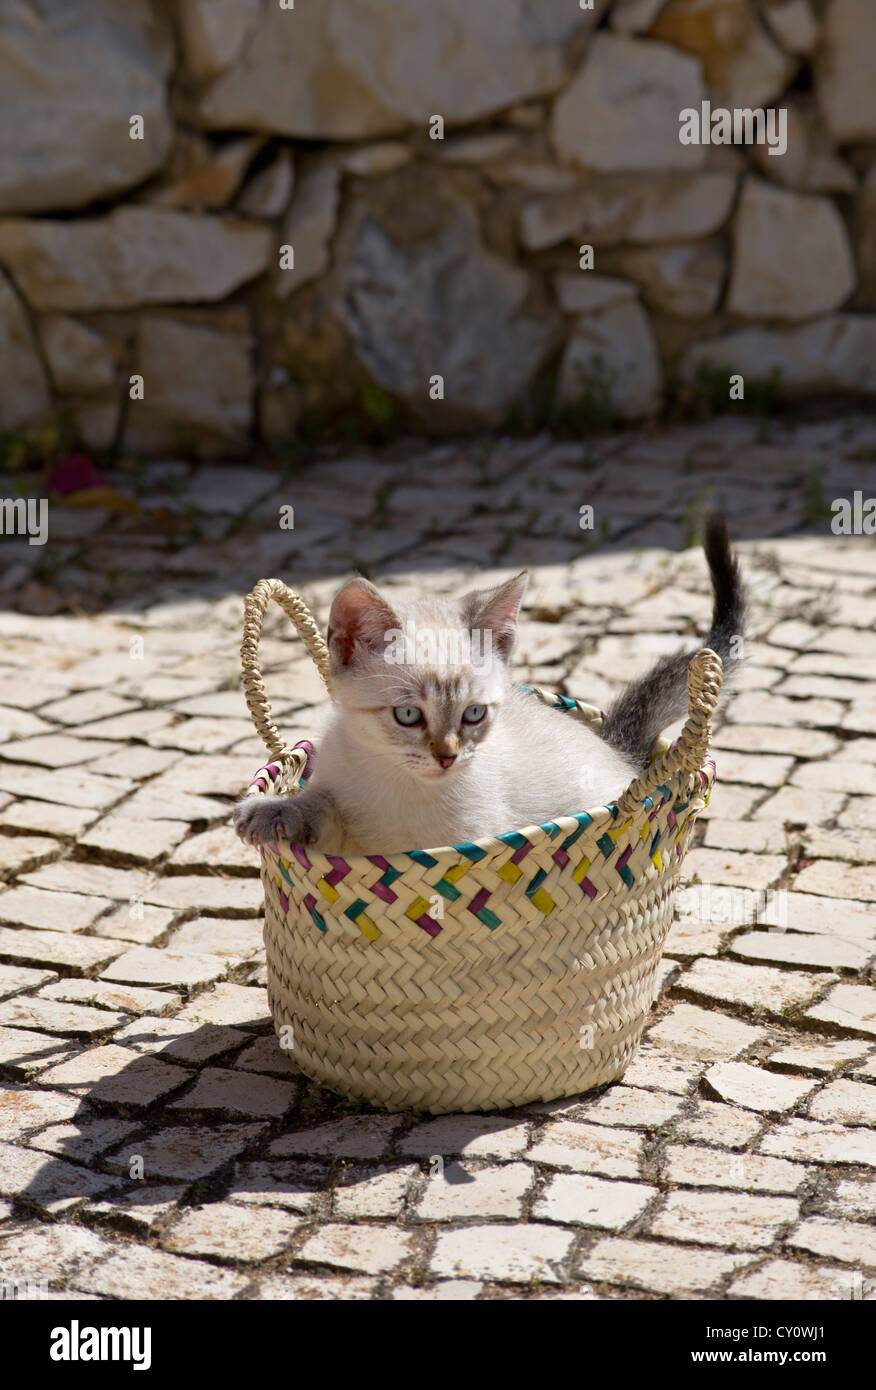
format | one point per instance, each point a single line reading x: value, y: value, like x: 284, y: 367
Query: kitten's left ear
x: 496, y: 611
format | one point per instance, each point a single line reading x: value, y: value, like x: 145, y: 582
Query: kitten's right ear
x: 359, y: 622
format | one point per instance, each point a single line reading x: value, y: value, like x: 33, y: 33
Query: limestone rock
x: 136, y: 255
x: 534, y: 175
x: 24, y: 391
x: 634, y: 16
x: 845, y: 64
x: 477, y: 149
x: 810, y: 164
x: 620, y: 111
x: 611, y: 209
x: 793, y: 24
x: 791, y: 255
x: 383, y: 157
x: 214, y: 32
x: 419, y: 295
x: 742, y: 64
x: 683, y: 280
x: 614, y: 349
x: 373, y: 68
x: 79, y: 358
x: 310, y: 225
x: 96, y: 421
x: 585, y: 291
x: 198, y: 389
x: 71, y: 76
x: 201, y: 176
x: 268, y: 192
x: 833, y: 354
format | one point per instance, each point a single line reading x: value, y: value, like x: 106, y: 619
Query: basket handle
x: 704, y: 675
x: 294, y: 607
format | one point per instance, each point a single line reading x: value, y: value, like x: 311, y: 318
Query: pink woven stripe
x: 341, y: 869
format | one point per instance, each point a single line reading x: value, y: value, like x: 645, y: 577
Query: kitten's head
x: 423, y: 680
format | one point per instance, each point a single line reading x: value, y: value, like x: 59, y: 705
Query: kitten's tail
x: 659, y: 698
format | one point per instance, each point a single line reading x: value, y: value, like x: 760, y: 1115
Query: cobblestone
x: 787, y: 1280
x: 847, y: 1241
x: 755, y: 1088
x: 362, y: 1249
x: 577, y: 1200
x: 692, y: 1166
x: 588, y: 1149
x: 504, y: 1253
x: 456, y: 1192
x: 134, y: 1019
x: 738, y: 1219
x: 848, y: 1102
x: 849, y: 1006
x: 761, y: 986
x: 811, y: 1140
x: 658, y: 1267
x: 225, y: 1231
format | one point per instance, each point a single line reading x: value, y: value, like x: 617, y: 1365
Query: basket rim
x: 485, y: 846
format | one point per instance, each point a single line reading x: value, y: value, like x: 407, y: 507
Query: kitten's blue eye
x: 408, y: 715
x: 474, y: 714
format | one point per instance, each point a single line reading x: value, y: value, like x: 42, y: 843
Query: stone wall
x: 161, y: 157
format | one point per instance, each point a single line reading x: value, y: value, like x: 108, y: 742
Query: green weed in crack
x: 816, y: 507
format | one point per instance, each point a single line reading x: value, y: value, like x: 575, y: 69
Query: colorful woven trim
x: 614, y: 844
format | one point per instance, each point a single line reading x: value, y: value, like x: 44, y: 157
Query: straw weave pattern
x: 513, y: 969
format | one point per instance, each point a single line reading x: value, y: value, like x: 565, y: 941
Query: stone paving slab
x: 156, y: 1141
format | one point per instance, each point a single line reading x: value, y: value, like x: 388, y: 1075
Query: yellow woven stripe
x: 328, y: 892
x: 619, y: 830
x: 543, y: 901
x: 367, y: 927
x: 510, y: 872
x: 416, y: 909
x: 656, y: 859
x: 581, y: 871
x: 455, y: 874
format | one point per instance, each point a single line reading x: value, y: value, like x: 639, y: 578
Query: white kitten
x: 431, y: 744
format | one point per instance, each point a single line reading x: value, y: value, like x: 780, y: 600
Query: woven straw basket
x: 480, y: 976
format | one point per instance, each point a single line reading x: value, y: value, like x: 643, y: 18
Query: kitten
x: 427, y: 745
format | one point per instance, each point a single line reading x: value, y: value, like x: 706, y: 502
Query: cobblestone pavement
x: 157, y: 1142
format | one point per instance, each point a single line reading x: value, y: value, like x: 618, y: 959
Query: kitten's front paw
x: 261, y: 820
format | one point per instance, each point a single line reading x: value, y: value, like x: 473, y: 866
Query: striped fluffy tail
x: 659, y: 698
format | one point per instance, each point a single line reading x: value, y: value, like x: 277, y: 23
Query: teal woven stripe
x: 514, y: 839
x: 536, y: 883
x: 420, y: 856
x: 583, y: 821
x: 447, y: 890
x: 471, y: 852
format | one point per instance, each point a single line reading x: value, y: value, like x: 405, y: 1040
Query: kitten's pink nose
x: 446, y: 760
